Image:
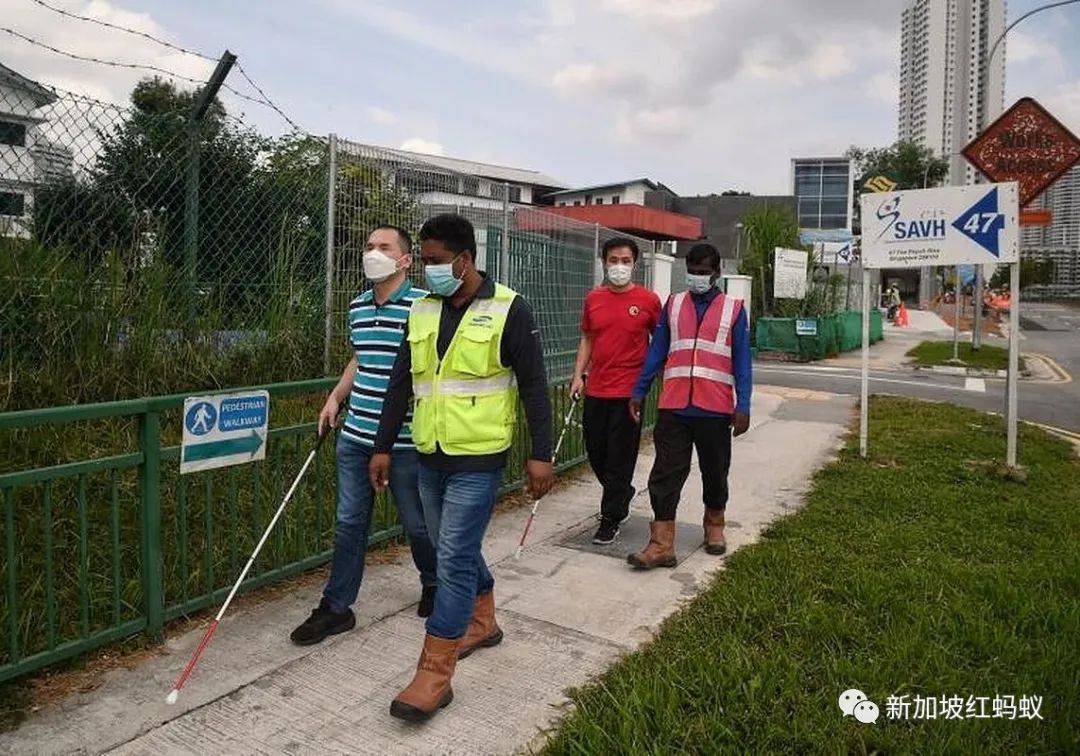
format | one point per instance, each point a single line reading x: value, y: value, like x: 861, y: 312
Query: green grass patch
x: 922, y: 570
x: 988, y: 357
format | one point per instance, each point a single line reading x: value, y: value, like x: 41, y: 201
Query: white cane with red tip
x: 175, y: 692
x: 554, y: 456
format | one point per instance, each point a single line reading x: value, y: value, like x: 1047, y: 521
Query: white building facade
x: 943, y: 49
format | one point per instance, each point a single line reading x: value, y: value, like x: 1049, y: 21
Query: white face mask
x: 378, y: 266
x: 697, y: 284
x: 619, y: 274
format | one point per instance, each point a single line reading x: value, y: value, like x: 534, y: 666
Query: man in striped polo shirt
x: 377, y: 321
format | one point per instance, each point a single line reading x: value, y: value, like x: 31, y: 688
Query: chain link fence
x: 142, y: 253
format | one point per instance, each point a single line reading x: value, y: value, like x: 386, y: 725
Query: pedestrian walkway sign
x: 223, y: 430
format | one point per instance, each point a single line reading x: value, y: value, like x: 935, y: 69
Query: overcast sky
x: 703, y: 95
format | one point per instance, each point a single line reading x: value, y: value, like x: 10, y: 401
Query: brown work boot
x: 483, y: 631
x: 660, y: 551
x: 715, y: 543
x: 430, y: 688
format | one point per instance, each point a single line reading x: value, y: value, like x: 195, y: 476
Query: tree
x: 734, y: 193
x: 909, y: 164
x: 766, y: 229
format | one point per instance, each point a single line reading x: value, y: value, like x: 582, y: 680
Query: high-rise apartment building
x: 1060, y: 240
x: 943, y: 92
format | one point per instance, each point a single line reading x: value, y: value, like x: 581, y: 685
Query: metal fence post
x: 331, y: 200
x: 504, y: 249
x: 598, y: 264
x: 150, y: 524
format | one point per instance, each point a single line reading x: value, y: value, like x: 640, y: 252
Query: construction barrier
x: 816, y: 338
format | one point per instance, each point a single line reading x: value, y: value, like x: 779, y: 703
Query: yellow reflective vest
x: 465, y: 403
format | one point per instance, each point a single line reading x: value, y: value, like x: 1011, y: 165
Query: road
x: 1049, y: 329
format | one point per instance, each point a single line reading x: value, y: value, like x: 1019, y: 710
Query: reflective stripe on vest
x: 466, y: 402
x: 698, y: 370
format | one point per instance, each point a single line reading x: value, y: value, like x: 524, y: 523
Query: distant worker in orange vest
x: 702, y: 344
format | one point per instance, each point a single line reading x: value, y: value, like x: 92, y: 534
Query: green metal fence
x: 100, y: 549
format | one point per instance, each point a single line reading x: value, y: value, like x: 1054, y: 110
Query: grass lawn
x: 920, y: 571
x: 940, y: 352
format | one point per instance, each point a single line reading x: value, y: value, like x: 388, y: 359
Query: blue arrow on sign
x: 982, y: 221
x: 224, y: 448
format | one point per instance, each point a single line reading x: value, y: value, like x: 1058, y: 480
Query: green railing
x: 99, y: 549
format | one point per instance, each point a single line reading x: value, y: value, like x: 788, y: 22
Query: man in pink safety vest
x: 702, y: 344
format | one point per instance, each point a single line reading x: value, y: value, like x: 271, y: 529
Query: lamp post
x: 738, y: 240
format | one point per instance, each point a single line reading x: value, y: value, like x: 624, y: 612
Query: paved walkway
x: 568, y: 610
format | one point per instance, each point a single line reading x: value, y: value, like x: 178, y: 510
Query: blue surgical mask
x: 698, y: 284
x: 441, y: 279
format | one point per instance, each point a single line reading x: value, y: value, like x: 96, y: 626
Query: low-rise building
x: 25, y: 156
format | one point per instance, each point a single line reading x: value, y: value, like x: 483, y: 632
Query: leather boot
x: 483, y: 631
x: 430, y: 688
x: 660, y: 551
x: 715, y: 543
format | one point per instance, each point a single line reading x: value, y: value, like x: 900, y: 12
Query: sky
x: 702, y: 95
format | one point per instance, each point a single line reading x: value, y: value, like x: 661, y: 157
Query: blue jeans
x: 457, y: 509
x: 355, y: 502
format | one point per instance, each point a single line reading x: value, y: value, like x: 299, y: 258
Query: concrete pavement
x: 568, y: 609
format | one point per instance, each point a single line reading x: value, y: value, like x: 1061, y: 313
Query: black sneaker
x: 321, y: 624
x: 427, y: 602
x: 606, y: 533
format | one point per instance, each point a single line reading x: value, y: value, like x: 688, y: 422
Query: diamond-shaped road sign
x: 1026, y: 145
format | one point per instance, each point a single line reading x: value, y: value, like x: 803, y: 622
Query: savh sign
x: 223, y: 430
x: 948, y: 226
x: 1026, y: 145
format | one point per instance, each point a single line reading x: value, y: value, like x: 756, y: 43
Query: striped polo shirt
x: 376, y: 332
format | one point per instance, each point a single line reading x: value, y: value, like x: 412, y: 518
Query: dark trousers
x: 675, y: 437
x: 612, y: 439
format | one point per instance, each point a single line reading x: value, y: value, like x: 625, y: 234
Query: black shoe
x: 321, y: 624
x: 606, y: 533
x: 427, y: 602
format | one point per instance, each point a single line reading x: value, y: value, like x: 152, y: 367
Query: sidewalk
x: 568, y: 609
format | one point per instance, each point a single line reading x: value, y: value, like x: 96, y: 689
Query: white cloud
x: 90, y: 40
x: 380, y: 116
x: 661, y: 124
x: 830, y: 60
x: 662, y: 10
x: 883, y: 87
x: 419, y: 144
x: 590, y: 78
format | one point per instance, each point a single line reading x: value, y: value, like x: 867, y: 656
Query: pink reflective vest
x: 698, y: 368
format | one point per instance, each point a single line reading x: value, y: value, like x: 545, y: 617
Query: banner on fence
x: 224, y: 430
x: 789, y: 279
x: 947, y: 226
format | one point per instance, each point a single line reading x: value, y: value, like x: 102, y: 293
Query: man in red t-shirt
x: 617, y: 320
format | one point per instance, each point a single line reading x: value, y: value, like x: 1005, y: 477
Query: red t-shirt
x: 620, y: 324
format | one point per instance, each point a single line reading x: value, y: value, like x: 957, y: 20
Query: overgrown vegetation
x: 917, y: 571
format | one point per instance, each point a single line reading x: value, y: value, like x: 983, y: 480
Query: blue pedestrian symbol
x: 982, y: 221
x: 201, y: 418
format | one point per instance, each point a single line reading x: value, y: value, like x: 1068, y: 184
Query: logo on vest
x: 481, y: 321
x: 634, y: 311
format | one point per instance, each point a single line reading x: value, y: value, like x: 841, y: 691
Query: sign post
x: 224, y: 430
x: 970, y: 225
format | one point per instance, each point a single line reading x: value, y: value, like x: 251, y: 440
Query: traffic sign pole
x: 864, y: 388
x: 1014, y: 362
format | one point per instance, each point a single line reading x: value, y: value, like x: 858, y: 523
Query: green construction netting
x: 838, y: 332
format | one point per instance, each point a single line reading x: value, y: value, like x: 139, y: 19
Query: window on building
x: 599, y: 200
x: 577, y: 203
x: 13, y: 134
x: 515, y: 193
x: 470, y: 185
x: 12, y: 203
x: 615, y: 200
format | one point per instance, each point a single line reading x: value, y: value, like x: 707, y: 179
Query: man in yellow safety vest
x: 471, y: 351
